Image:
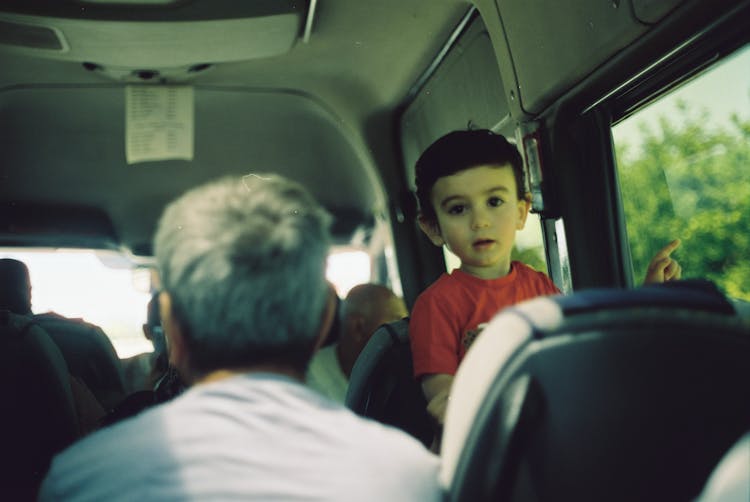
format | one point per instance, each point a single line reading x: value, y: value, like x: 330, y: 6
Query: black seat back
x: 382, y: 384
x: 37, y: 414
x: 603, y: 395
x: 90, y: 356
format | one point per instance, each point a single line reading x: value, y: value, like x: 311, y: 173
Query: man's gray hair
x: 243, y: 260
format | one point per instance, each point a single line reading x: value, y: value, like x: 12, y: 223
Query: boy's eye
x: 457, y: 209
x: 495, y: 202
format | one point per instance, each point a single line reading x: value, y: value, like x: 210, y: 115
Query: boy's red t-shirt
x: 449, y: 314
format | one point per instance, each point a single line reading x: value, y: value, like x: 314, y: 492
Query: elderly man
x: 366, y: 307
x: 245, y: 298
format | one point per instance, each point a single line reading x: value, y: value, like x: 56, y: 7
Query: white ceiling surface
x: 130, y: 43
x: 63, y: 126
x: 360, y: 54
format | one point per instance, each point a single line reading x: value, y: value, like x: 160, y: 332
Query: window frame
x: 691, y: 60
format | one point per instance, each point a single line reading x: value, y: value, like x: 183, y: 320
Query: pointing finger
x: 668, y: 249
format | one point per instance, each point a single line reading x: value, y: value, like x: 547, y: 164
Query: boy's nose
x: 479, y: 220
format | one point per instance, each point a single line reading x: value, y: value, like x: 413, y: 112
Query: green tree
x: 533, y: 257
x: 692, y: 181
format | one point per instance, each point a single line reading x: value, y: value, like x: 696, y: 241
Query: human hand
x: 436, y: 390
x: 662, y: 267
x: 437, y: 407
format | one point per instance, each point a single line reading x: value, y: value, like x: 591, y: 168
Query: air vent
x: 31, y: 36
x: 149, y: 3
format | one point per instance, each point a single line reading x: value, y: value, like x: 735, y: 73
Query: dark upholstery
x: 605, y: 395
x: 89, y: 354
x: 36, y: 405
x: 382, y: 385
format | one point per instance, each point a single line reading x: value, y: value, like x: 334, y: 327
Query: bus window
x: 348, y: 267
x: 683, y: 168
x: 77, y: 283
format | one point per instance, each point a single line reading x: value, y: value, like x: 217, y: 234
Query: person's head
x: 366, y: 307
x: 152, y: 328
x: 242, y: 263
x: 15, y: 286
x: 472, y: 197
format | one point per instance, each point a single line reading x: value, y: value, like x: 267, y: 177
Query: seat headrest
x: 499, y: 341
x: 38, y: 416
x: 604, y: 334
x: 385, y: 337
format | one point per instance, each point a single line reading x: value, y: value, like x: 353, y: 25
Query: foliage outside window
x: 684, y: 171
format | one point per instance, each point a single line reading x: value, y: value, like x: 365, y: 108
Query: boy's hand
x: 663, y: 268
x: 436, y: 390
x: 437, y: 407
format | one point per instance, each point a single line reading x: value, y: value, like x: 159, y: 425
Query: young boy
x: 472, y: 199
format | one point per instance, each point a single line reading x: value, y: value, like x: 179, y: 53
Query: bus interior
x: 632, y: 117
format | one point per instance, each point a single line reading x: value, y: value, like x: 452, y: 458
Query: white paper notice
x: 158, y: 123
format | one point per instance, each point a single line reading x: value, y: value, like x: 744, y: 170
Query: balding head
x: 366, y: 307
x: 375, y: 302
x: 15, y: 286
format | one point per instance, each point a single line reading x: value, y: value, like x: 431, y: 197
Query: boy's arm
x: 437, y: 389
x: 662, y: 267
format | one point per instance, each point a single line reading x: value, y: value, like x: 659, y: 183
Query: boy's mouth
x: 483, y: 243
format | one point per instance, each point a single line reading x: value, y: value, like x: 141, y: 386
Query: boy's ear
x: 524, y: 206
x: 431, y: 229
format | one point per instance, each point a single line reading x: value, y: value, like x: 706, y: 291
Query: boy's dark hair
x: 461, y: 150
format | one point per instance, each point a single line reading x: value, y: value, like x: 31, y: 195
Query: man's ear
x: 326, y: 320
x: 177, y: 348
x: 524, y: 206
x: 358, y: 327
x: 431, y: 229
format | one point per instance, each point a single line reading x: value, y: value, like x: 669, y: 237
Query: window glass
x: 85, y: 284
x: 348, y: 267
x: 684, y: 171
x: 77, y: 284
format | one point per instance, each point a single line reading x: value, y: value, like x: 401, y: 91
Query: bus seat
x: 89, y: 354
x: 382, y: 384
x: 38, y: 416
x: 600, y: 395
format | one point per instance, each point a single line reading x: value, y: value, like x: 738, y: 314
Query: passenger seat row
x: 46, y: 364
x: 90, y: 356
x: 601, y: 395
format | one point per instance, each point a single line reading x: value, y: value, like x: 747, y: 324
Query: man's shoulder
x: 53, y: 319
x: 409, y: 466
x: 112, y: 458
x: 108, y: 460
x: 139, y: 431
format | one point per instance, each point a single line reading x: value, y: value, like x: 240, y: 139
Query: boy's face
x: 478, y: 213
